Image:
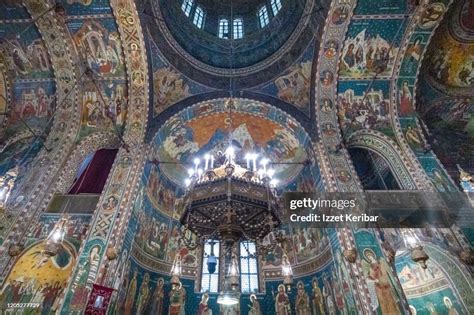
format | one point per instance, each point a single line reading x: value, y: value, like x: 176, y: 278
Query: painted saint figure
x: 132, y: 289
x: 203, y: 306
x: 379, y: 274
x: 318, y: 304
x: 143, y: 294
x: 255, y: 307
x: 405, y: 99
x: 302, y: 301
x: 157, y: 299
x: 282, y: 302
x: 177, y: 300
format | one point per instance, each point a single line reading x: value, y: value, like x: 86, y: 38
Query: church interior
x: 147, y: 146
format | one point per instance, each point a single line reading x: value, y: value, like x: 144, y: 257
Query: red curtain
x: 93, y: 178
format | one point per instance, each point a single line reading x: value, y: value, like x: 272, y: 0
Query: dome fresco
x: 254, y: 126
x: 445, y: 91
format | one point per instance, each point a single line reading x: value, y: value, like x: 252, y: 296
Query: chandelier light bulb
x: 270, y: 172
x: 187, y: 182
x: 196, y: 163
x: 190, y: 172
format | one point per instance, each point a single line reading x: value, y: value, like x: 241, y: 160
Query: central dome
x: 213, y: 30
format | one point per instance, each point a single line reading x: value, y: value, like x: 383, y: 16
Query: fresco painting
x: 275, y: 136
x: 24, y: 57
x: 36, y: 278
x: 451, y: 64
x: 169, y: 85
x: 371, y: 47
x: 405, y: 97
x: 85, y: 7
x: 98, y: 42
x: 293, y: 85
x: 104, y: 110
x: 382, y: 283
x: 428, y: 290
x: 308, y: 242
x: 363, y: 105
x: 413, y: 55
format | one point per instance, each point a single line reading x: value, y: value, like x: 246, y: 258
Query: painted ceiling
x: 251, y: 127
x: 445, y: 93
x: 364, y: 70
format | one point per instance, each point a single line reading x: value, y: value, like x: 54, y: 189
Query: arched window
x: 238, y: 31
x: 199, y: 17
x: 263, y: 16
x: 276, y: 6
x: 187, y: 6
x: 210, y: 281
x: 223, y: 28
x: 248, y: 267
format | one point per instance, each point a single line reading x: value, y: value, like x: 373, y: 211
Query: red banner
x: 99, y: 300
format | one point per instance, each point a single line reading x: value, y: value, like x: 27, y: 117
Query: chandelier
x: 228, y: 202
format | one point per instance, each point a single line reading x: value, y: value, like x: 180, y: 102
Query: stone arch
x: 88, y: 145
x: 388, y: 150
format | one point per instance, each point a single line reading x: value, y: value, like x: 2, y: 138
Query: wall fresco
x: 37, y: 279
x: 371, y: 46
x: 169, y: 85
x: 381, y: 280
x: 428, y: 290
x: 293, y: 85
x: 362, y: 105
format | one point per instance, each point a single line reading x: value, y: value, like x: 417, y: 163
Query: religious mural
x: 169, y: 85
x: 157, y: 234
x: 428, y: 290
x: 451, y: 63
x: 256, y: 128
x: 371, y: 47
x: 99, y: 44
x: 362, y: 105
x: 36, y: 278
x: 104, y: 107
x: 381, y: 280
x: 25, y: 56
x: 294, y: 86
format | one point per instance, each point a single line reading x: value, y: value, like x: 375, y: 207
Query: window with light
x: 238, y: 31
x: 276, y: 6
x: 210, y: 280
x: 187, y: 6
x: 223, y: 28
x: 199, y: 17
x: 248, y: 267
x: 263, y: 16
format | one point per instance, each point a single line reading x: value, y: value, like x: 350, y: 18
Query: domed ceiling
x: 261, y: 54
x: 257, y: 43
x: 445, y: 100
x: 256, y: 127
